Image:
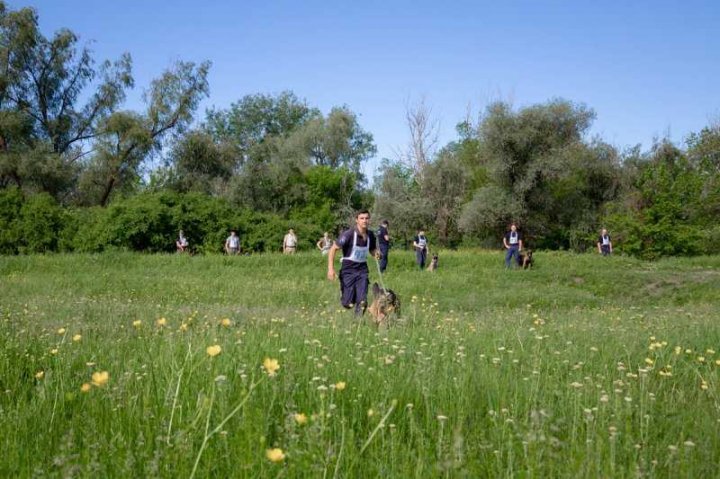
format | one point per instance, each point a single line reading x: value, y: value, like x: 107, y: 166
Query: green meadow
x: 131, y: 365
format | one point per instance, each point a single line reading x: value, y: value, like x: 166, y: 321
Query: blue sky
x: 648, y: 68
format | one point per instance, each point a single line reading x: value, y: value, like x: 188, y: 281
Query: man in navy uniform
x: 383, y: 238
x: 355, y: 244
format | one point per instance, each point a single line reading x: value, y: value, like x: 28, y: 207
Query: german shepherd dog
x: 384, y: 306
x: 433, y: 263
x: 525, y: 260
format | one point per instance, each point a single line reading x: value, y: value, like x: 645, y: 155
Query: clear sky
x: 648, y: 68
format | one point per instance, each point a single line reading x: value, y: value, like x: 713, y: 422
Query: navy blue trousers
x: 354, y: 288
x: 513, y: 250
x: 384, y: 250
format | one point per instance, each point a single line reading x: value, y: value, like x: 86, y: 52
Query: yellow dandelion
x: 717, y: 361
x: 77, y: 337
x: 300, y: 418
x: 649, y: 361
x: 61, y: 331
x: 226, y: 322
x: 183, y: 327
x: 275, y: 454
x: 339, y: 386
x: 39, y: 374
x: 85, y: 387
x: 161, y: 322
x: 100, y: 378
x: 137, y: 323
x: 54, y: 351
x: 370, y: 413
x: 271, y: 366
x: 703, y: 385
x: 213, y: 351
x: 701, y: 359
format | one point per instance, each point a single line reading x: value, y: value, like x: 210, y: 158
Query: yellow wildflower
x: 226, y: 322
x: 213, y: 350
x: 649, y: 361
x: 275, y: 455
x: 339, y: 386
x: 77, y: 337
x: 300, y: 418
x: 100, y: 378
x: 85, y: 387
x: 61, y: 331
x: 54, y: 351
x: 137, y: 323
x: 161, y: 322
x: 271, y: 366
x: 39, y: 374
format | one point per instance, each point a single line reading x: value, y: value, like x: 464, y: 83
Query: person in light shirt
x: 290, y: 242
x: 232, y: 243
x: 604, y: 244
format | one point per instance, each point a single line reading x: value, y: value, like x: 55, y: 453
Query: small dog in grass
x: 525, y: 260
x: 433, y: 263
x: 384, y: 306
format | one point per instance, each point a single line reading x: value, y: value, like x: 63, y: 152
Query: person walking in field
x: 383, y: 237
x: 420, y: 243
x: 290, y: 242
x: 604, y: 244
x: 324, y: 244
x: 181, y: 243
x: 356, y: 244
x: 232, y: 243
x: 513, y: 245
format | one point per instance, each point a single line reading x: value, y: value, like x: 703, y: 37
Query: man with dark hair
x: 355, y: 244
x: 513, y: 244
x: 383, y: 238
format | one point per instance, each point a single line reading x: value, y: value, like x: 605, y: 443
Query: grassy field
x: 583, y: 367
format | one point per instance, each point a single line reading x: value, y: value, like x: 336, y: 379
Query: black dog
x: 525, y: 260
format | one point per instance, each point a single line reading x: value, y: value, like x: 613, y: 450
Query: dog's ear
x: 376, y: 289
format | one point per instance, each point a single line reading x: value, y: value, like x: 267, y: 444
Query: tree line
x: 78, y: 172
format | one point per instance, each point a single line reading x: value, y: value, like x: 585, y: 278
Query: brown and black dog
x: 385, y: 305
x: 433, y: 263
x: 525, y: 260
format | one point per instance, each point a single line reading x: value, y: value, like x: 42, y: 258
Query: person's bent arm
x: 331, y: 262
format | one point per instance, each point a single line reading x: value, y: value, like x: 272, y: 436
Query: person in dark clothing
x: 355, y: 244
x: 513, y: 244
x: 420, y: 243
x: 604, y: 244
x: 383, y: 237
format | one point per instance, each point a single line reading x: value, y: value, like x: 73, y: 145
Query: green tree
x: 45, y: 128
x: 126, y: 138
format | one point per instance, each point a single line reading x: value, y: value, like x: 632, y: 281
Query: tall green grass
x: 582, y: 367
